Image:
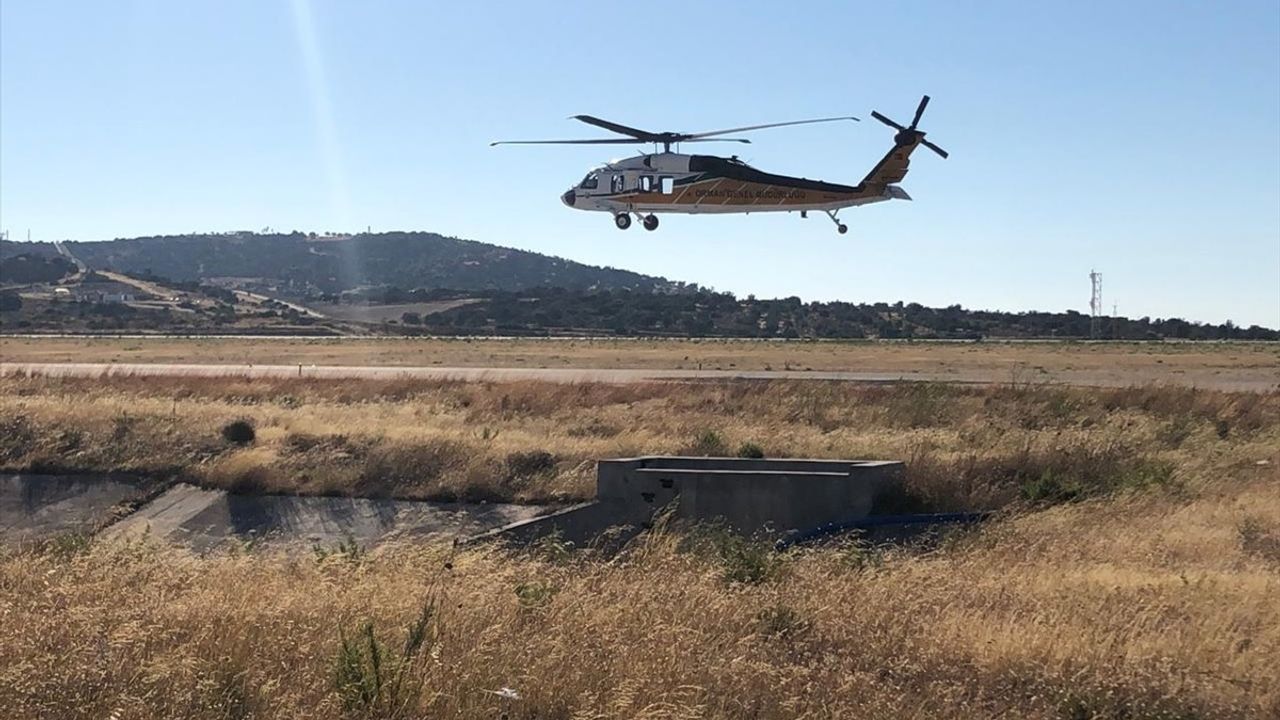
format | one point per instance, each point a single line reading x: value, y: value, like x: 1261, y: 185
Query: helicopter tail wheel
x: 840, y: 227
x: 622, y: 220
x: 650, y: 222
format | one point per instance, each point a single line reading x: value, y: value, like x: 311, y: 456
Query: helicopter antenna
x: 665, y: 139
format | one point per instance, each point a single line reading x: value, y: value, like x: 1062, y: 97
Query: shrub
x: 750, y: 450
x: 346, y: 549
x: 919, y: 404
x: 708, y: 442
x: 239, y: 432
x: 66, y: 545
x: 745, y: 561
x: 529, y: 464
x: 17, y: 437
x: 780, y: 621
x: 1067, y: 483
x: 552, y: 548
x: 392, y: 467
x: 1258, y: 541
x: 250, y: 481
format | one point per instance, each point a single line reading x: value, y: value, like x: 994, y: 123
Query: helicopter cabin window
x: 668, y: 184
x: 618, y: 183
x: 591, y: 181
x: 646, y: 183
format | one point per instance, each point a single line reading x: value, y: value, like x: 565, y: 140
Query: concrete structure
x: 39, y: 507
x: 770, y: 498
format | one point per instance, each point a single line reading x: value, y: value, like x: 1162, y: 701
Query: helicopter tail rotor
x: 909, y: 134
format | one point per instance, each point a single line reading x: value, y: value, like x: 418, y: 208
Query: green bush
x: 750, y: 450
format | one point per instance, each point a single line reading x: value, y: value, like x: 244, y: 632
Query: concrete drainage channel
x: 36, y: 507
x: 784, y: 500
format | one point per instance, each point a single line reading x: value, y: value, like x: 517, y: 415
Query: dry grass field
x: 1132, y: 573
x: 1217, y: 365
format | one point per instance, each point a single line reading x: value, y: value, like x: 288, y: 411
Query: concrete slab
x: 35, y: 507
x: 205, y: 519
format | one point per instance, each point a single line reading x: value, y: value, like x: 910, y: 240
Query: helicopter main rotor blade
x: 934, y: 148
x: 886, y: 121
x: 606, y: 141
x: 685, y: 137
x: 643, y: 135
x: 600, y: 141
x: 919, y: 111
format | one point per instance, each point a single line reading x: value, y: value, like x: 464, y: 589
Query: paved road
x: 600, y: 375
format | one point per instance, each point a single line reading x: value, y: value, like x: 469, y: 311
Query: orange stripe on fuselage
x: 726, y: 192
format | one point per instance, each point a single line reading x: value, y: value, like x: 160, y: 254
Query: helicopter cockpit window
x: 618, y: 183
x: 591, y: 181
x: 646, y: 183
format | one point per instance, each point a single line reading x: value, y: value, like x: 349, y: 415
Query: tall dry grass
x: 1134, y: 573
x: 1144, y: 607
x: 533, y: 442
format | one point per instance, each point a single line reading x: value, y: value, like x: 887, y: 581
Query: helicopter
x: 673, y: 182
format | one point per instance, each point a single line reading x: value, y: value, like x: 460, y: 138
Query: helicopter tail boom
x: 892, y: 168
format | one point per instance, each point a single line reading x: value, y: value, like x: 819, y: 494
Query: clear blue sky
x: 1138, y: 138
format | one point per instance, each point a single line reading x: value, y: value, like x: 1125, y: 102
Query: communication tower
x: 1095, y: 304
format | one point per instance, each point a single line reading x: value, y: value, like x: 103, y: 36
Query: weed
x: 17, y: 437
x: 346, y: 549
x: 858, y: 554
x: 372, y: 679
x: 528, y: 464
x: 1222, y: 427
x: 552, y: 548
x: 121, y: 427
x: 535, y: 594
x: 1259, y: 541
x: 392, y: 468
x: 708, y: 443
x: 750, y: 450
x: 1177, y: 430
x: 67, y: 545
x: 745, y: 560
x: 1066, y: 483
x: 918, y: 405
x: 780, y: 621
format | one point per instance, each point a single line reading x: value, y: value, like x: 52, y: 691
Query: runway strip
x: 598, y: 375
x: 470, y: 374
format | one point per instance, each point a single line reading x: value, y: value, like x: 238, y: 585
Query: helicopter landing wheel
x: 622, y: 220
x: 650, y: 222
x: 842, y: 228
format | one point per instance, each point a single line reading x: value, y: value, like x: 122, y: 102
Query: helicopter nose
x: 569, y: 198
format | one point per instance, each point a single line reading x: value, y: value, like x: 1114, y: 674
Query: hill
x: 704, y: 313
x: 306, y: 264
x: 425, y: 283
